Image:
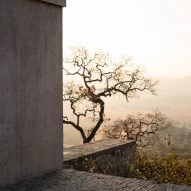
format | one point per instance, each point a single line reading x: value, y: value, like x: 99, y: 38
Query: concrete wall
x: 31, y: 135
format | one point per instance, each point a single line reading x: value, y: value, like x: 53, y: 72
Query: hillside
x: 174, y: 99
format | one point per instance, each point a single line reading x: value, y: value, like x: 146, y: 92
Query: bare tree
x: 143, y: 128
x: 99, y: 77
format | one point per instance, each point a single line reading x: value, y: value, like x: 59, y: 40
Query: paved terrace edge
x: 71, y: 180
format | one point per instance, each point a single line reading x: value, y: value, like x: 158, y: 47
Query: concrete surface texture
x: 31, y: 135
x: 70, y: 180
x: 61, y: 3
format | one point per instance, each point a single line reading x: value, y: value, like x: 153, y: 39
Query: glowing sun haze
x: 154, y: 33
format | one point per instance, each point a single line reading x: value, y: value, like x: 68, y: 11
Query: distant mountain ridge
x: 173, y: 99
x: 175, y: 86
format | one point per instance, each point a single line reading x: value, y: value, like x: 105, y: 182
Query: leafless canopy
x: 99, y: 77
x: 143, y: 128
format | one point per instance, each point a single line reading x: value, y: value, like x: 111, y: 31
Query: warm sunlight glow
x: 155, y: 34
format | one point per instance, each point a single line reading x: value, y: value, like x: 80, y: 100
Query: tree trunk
x: 100, y: 121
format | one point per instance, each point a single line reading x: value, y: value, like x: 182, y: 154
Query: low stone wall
x: 99, y: 154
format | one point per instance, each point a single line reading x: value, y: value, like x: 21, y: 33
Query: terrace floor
x: 70, y: 180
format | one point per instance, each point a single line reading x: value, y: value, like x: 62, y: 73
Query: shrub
x: 167, y: 168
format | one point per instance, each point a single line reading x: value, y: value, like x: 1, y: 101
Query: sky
x: 155, y: 34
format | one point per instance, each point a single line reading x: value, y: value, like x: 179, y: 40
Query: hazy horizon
x: 173, y: 99
x: 154, y: 34
x: 159, y: 42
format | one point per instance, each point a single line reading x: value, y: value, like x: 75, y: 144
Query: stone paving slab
x: 95, y: 148
x: 70, y: 180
